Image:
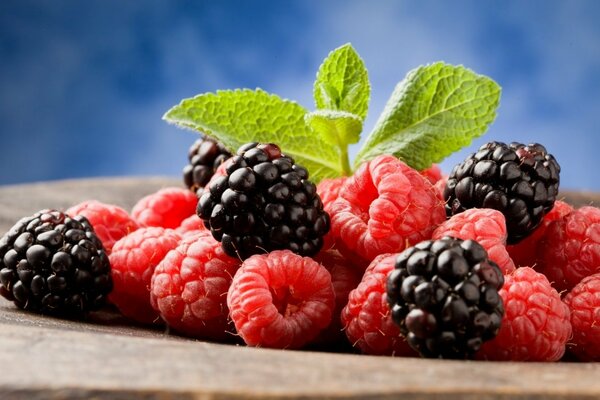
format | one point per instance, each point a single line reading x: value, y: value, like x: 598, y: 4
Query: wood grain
x: 106, y: 357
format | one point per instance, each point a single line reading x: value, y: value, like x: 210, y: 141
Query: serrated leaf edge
x: 208, y: 132
x: 363, y: 155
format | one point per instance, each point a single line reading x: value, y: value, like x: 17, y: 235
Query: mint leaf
x: 436, y: 110
x: 328, y: 96
x: 338, y: 128
x: 241, y: 116
x: 343, y: 83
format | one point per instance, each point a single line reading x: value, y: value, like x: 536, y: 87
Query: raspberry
x: 367, y: 317
x: 54, y: 264
x: 536, y: 323
x: 444, y: 297
x: 344, y: 278
x: 110, y: 222
x: 484, y: 225
x: 190, y: 225
x: 205, y: 156
x: 166, y: 208
x: 384, y: 207
x: 519, y: 181
x: 584, y: 303
x: 329, y: 190
x: 569, y: 249
x: 440, y: 186
x: 432, y: 174
x: 264, y: 203
x: 133, y: 261
x: 189, y: 288
x: 524, y: 253
x: 280, y: 300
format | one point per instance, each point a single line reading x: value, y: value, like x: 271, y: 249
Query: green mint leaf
x: 436, y: 110
x: 339, y: 128
x: 343, y: 82
x: 235, y: 117
x: 329, y: 96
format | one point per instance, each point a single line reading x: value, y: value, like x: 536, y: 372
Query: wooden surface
x: 107, y: 357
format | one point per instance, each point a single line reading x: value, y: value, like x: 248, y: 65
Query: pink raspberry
x: 189, y: 288
x: 133, y: 260
x: 524, y: 253
x: 485, y: 226
x: 344, y: 277
x: 385, y: 207
x: 584, y: 303
x: 440, y: 186
x: 110, y: 222
x: 191, y: 225
x: 433, y: 174
x: 569, y: 249
x: 367, y: 317
x: 280, y: 300
x: 536, y: 323
x: 166, y: 208
x: 329, y: 190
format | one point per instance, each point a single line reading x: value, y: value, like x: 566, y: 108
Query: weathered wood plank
x: 106, y: 357
x: 50, y: 361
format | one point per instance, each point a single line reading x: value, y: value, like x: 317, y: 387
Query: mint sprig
x: 342, y: 93
x: 241, y: 116
x: 436, y: 110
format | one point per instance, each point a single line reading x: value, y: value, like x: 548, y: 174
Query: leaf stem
x: 346, y: 169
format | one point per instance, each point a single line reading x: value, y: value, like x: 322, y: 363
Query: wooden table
x: 106, y: 357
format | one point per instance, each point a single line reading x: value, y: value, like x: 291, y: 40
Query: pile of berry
x: 485, y: 263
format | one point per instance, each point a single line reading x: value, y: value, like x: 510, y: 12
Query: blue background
x: 84, y: 84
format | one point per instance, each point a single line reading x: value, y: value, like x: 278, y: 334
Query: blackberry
x: 205, y: 155
x: 519, y: 181
x: 444, y: 297
x: 264, y: 202
x: 54, y: 264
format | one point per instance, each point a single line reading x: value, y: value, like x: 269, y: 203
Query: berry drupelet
x: 444, y: 297
x: 265, y: 202
x: 54, y: 264
x: 519, y: 181
x: 205, y: 155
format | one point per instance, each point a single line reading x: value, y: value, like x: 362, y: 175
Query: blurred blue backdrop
x: 83, y: 85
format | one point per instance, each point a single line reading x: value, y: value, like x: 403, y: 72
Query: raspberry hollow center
x: 280, y: 300
x: 362, y: 203
x: 285, y: 302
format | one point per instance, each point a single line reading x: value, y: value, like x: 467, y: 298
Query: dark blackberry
x: 205, y: 156
x: 519, y: 181
x: 265, y: 202
x: 54, y: 264
x: 444, y: 297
